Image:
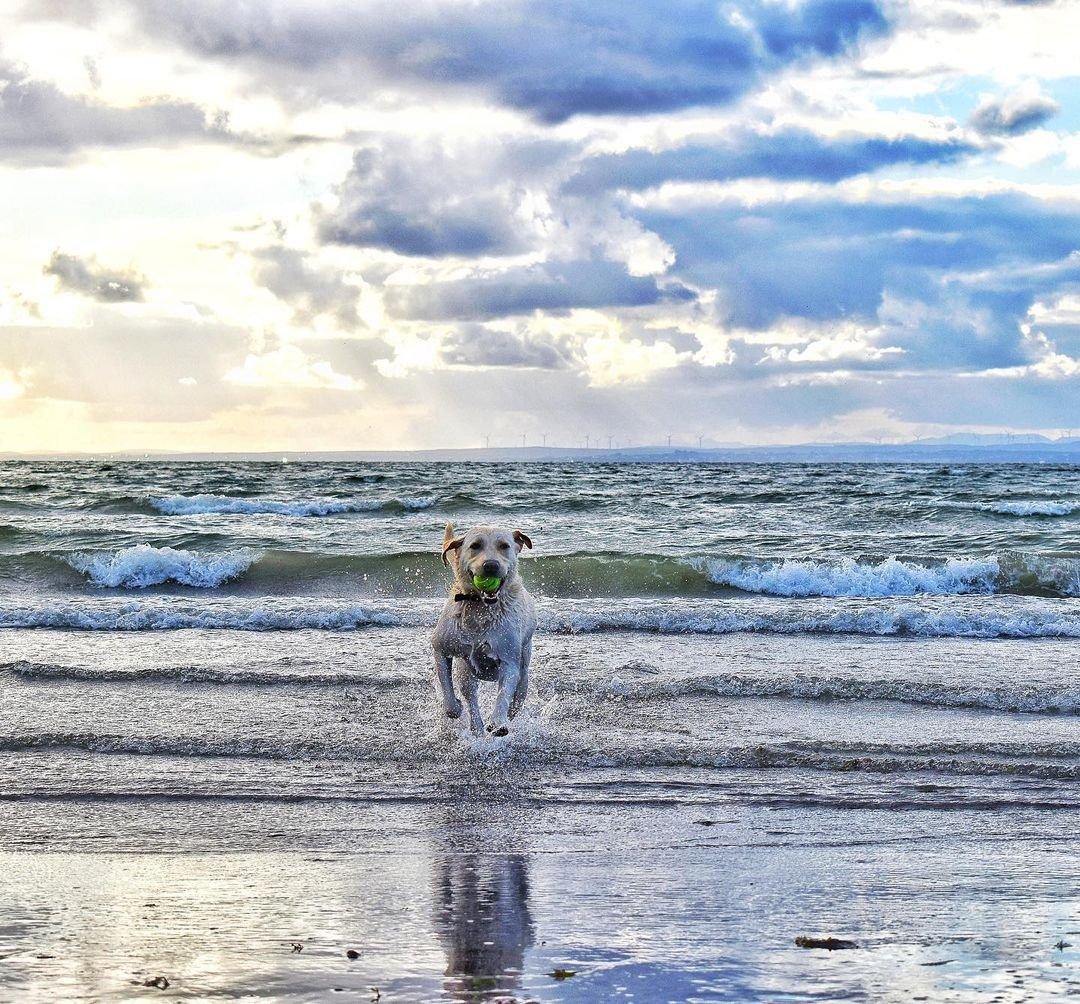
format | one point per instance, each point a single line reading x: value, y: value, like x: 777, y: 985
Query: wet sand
x: 494, y: 896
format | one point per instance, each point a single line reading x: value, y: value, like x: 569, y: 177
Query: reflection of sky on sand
x: 483, y: 898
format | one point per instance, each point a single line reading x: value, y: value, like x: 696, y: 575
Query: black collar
x: 474, y: 597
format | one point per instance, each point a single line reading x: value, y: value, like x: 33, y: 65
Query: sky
x: 335, y: 224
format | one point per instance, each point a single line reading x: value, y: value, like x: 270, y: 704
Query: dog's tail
x: 448, y: 541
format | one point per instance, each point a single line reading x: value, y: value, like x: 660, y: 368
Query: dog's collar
x: 475, y: 597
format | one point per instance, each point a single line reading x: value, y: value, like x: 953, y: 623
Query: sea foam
x: 1009, y: 617
x: 1061, y: 699
x: 174, y: 615
x: 848, y: 577
x: 1040, y: 507
x: 143, y: 565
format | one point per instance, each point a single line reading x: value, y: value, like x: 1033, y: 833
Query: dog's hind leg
x: 508, y: 685
x: 469, y: 689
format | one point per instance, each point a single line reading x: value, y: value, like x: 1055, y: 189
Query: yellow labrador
x: 484, y: 635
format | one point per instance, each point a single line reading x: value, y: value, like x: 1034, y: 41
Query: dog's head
x: 485, y: 551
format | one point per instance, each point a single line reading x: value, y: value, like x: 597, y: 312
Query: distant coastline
x: 949, y: 449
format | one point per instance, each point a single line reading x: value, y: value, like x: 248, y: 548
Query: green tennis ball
x: 486, y: 584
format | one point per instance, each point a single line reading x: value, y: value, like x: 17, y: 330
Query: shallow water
x: 768, y: 702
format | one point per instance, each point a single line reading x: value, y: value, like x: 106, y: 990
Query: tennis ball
x: 486, y: 584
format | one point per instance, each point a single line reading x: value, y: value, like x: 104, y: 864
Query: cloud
x: 788, y: 155
x: 435, y: 198
x: 555, y: 286
x: 474, y: 345
x: 40, y: 124
x: 949, y: 281
x: 625, y: 59
x: 310, y: 291
x: 289, y: 366
x: 125, y: 368
x: 86, y: 276
x: 820, y: 29
x: 13, y: 384
x: 1013, y: 113
x: 824, y: 257
x: 699, y: 270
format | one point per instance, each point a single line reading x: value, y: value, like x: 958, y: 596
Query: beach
x: 219, y: 784
x: 640, y: 902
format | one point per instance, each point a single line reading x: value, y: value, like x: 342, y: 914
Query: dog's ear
x: 450, y: 542
x: 522, y: 541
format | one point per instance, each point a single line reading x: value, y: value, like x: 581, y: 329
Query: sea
x: 758, y: 691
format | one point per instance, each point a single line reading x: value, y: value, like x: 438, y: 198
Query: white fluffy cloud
x: 289, y: 366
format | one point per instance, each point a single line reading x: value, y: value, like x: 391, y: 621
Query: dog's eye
x: 475, y: 545
x: 503, y: 546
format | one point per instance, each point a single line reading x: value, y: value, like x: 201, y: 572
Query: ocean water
x: 764, y: 682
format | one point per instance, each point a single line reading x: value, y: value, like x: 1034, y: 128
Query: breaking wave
x: 142, y: 565
x: 420, y: 573
x: 848, y: 577
x: 1038, y: 507
x: 1009, y: 573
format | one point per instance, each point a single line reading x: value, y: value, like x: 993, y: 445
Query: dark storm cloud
x: 40, y: 124
x: 557, y: 287
x: 553, y: 61
x: 310, y: 290
x: 420, y: 197
x: 86, y: 276
x: 951, y: 278
x: 789, y: 155
x: 474, y: 345
x: 1013, y: 114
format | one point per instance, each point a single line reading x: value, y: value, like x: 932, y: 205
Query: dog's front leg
x: 508, y: 684
x: 444, y: 684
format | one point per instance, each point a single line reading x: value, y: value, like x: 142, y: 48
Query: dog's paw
x: 498, y: 728
x: 452, y: 708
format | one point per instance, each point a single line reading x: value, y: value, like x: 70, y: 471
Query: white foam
x: 421, y: 502
x: 193, y: 505
x: 178, y: 613
x: 1029, y: 508
x: 1035, y: 619
x: 1020, y: 696
x: 847, y: 577
x: 929, y: 617
x: 143, y: 565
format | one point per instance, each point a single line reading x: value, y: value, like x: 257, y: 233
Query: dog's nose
x: 491, y: 568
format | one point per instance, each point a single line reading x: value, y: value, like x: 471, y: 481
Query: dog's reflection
x: 482, y: 904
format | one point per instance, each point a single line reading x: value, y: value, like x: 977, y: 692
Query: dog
x: 484, y: 635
